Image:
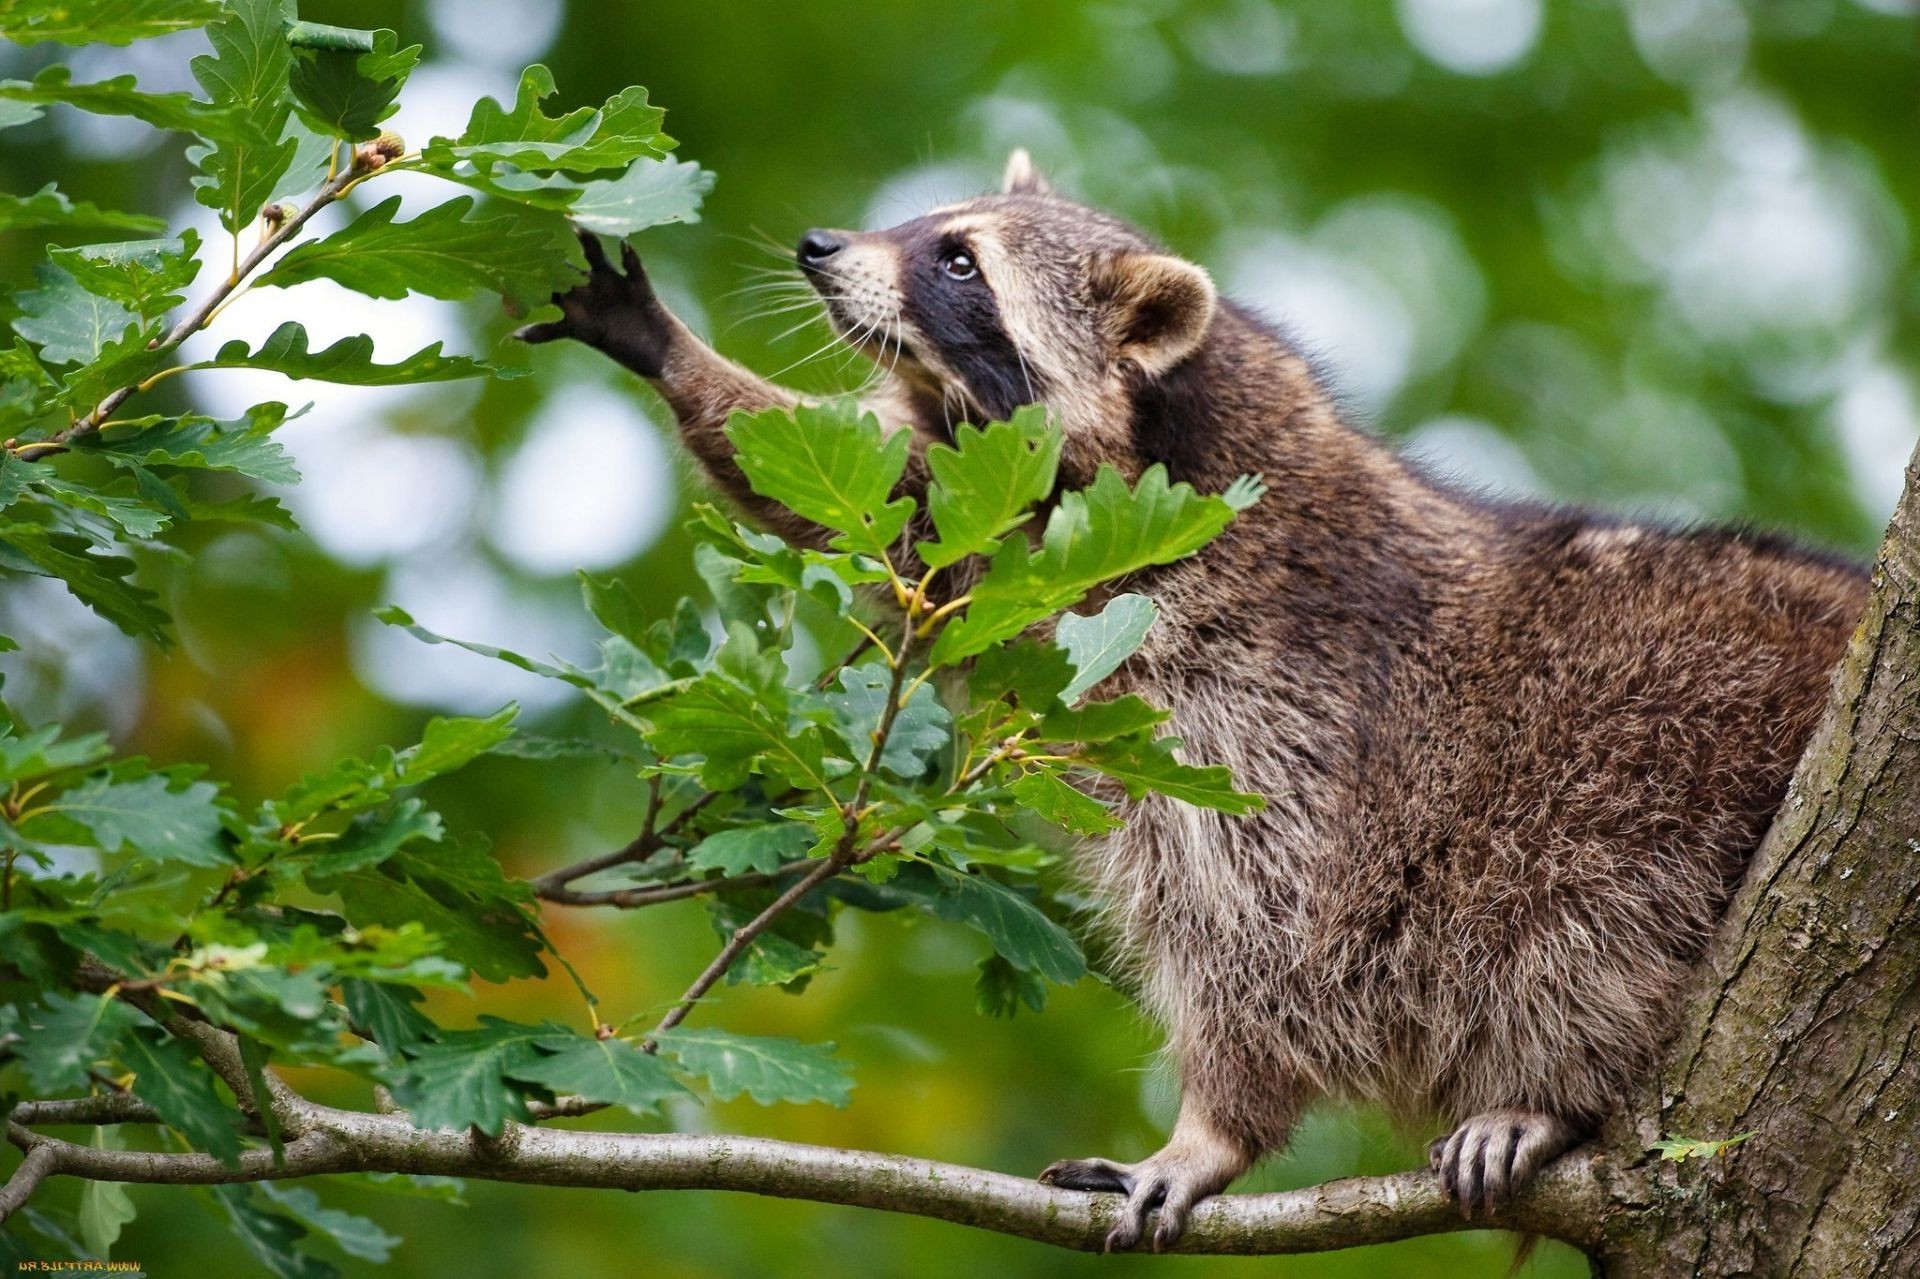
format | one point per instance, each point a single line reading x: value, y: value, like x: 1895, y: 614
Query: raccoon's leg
x: 1491, y: 1157
x: 619, y: 315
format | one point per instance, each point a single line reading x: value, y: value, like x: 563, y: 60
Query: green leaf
x: 1028, y: 939
x: 605, y: 1070
x: 67, y: 1035
x: 737, y: 728
x: 271, y: 1238
x: 1001, y: 988
x: 985, y: 484
x: 1063, y: 804
x: 105, y: 1206
x: 1099, y: 721
x: 371, y: 838
x: 243, y: 446
x: 453, y: 742
x: 101, y: 22
x: 170, y: 1078
x: 612, y: 136
x: 921, y: 728
x: 765, y: 847
x: 457, y: 892
x: 386, y: 1012
x: 246, y: 155
x: 47, y: 207
x: 767, y: 1069
x: 1098, y: 644
x: 146, y: 276
x: 149, y: 817
x: 176, y: 112
x: 347, y: 92
x: 443, y: 253
x: 98, y: 581
x: 29, y: 757
x: 1106, y: 531
x: 355, y: 1236
x: 780, y: 956
x: 1680, y: 1149
x: 831, y: 464
x: 350, y: 360
x: 651, y: 193
x: 68, y: 324
x: 1143, y: 765
x: 464, y: 1080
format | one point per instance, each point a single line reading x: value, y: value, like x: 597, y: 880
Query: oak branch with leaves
x: 935, y: 769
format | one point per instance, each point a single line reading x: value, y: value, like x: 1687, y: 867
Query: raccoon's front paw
x: 1170, y: 1181
x: 611, y: 312
x: 1491, y: 1157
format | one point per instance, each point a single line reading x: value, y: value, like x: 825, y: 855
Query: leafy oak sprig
x: 287, y: 123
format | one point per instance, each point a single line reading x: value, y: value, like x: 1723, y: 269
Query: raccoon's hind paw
x: 1491, y: 1157
x: 1171, y: 1182
x: 611, y: 311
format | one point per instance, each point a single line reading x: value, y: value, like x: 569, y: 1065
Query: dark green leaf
x: 1142, y: 765
x: 1001, y: 988
x: 350, y: 360
x: 171, y: 1079
x: 605, y: 1070
x: 1028, y: 939
x: 146, y: 276
x: 47, y: 207
x: 178, y: 112
x: 271, y: 1238
x: 985, y: 485
x: 464, y: 1080
x: 246, y: 73
x: 101, y: 21
x: 751, y: 848
x: 243, y: 446
x: 347, y: 92
x: 98, y: 581
x: 386, y: 1012
x: 1093, y: 536
x: 68, y: 1035
x: 355, y: 1236
x: 831, y: 464
x: 766, y: 1069
x: 920, y: 728
x: 68, y: 324
x: 612, y: 136
x: 1064, y: 805
x: 443, y: 253
x: 149, y: 816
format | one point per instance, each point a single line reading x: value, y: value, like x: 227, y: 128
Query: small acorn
x: 275, y: 215
x: 390, y: 144
x: 367, y: 157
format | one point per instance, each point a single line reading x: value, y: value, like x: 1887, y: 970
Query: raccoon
x: 1516, y: 757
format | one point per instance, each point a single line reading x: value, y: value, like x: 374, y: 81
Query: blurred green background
x: 1654, y: 255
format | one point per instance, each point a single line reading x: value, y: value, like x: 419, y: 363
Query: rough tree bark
x: 1802, y: 1030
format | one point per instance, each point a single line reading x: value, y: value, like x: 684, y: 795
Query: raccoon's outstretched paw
x: 611, y: 311
x: 1168, y: 1182
x: 1491, y: 1157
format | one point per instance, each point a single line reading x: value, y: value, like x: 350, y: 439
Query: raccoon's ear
x: 1021, y: 178
x: 1158, y: 307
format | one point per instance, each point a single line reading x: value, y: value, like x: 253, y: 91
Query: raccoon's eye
x: 959, y: 265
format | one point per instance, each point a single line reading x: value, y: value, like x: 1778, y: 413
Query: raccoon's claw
x: 611, y: 311
x: 1148, y: 1186
x: 1491, y: 1157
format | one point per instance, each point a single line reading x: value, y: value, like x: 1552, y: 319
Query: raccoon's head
x: 1013, y: 299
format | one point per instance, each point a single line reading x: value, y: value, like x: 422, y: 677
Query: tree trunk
x: 1805, y: 1026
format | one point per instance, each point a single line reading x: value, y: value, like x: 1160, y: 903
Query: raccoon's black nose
x: 817, y: 246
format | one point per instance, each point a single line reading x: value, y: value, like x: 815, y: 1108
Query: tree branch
x: 34, y: 1169
x: 632, y: 898
x: 1565, y: 1202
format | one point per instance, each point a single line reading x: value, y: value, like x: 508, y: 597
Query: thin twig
x: 631, y: 898
x: 552, y: 885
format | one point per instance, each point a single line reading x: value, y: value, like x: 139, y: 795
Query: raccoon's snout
x: 816, y: 247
